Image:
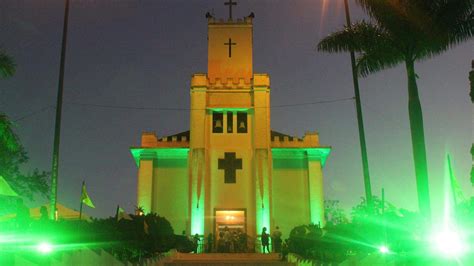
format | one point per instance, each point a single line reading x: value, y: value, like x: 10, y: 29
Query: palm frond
x: 395, y: 14
x: 7, y: 65
x: 375, y: 60
x: 360, y: 37
x: 454, y: 21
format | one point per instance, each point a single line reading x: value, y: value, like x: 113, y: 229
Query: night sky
x: 142, y: 53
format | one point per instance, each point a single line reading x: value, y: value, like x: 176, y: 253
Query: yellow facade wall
x: 290, y: 196
x: 170, y: 186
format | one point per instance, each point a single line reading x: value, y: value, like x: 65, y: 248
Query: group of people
x: 278, y: 245
x: 228, y: 241
x: 232, y: 241
x: 235, y: 241
x: 276, y: 240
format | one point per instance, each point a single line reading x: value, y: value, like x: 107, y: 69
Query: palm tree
x: 405, y: 31
x: 7, y: 66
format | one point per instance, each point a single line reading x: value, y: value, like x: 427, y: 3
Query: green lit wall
x: 197, y: 193
x: 263, y: 207
x: 167, y: 191
x: 297, y: 186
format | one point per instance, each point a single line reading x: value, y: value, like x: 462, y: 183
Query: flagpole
x: 53, y: 197
x: 80, y: 208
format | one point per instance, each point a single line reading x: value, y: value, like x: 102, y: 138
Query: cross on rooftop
x: 230, y: 43
x: 230, y: 164
x: 230, y: 4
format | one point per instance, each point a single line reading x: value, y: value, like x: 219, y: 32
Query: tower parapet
x: 309, y: 140
x: 245, y: 20
x: 151, y: 140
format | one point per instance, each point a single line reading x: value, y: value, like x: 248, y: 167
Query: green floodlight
x: 44, y: 248
x: 449, y: 244
x: 384, y: 249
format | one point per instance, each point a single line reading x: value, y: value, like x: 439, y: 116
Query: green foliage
x: 361, y: 211
x: 12, y: 158
x: 333, y: 213
x: 7, y: 65
x: 312, y: 242
x: 133, y: 240
x: 400, y: 230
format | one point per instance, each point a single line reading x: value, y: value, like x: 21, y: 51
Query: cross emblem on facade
x: 230, y: 43
x: 230, y: 164
x: 230, y: 4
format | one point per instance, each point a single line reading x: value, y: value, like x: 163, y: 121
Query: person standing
x: 242, y: 241
x: 196, y: 243
x: 227, y: 239
x: 221, y: 243
x: 22, y: 215
x: 276, y: 240
x: 265, y: 240
x: 210, y: 242
x: 284, y: 251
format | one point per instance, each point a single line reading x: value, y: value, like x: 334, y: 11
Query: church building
x: 231, y: 169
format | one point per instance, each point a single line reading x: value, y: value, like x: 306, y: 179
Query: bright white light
x: 449, y: 244
x: 384, y: 249
x: 44, y: 248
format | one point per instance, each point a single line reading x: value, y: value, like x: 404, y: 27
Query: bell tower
x: 229, y: 49
x: 230, y: 127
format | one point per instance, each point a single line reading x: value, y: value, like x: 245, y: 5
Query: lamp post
x: 57, y: 129
x: 360, y: 120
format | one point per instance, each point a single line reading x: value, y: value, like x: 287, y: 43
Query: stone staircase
x: 227, y: 259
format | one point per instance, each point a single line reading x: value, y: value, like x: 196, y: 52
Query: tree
x: 403, y: 31
x: 333, y: 213
x: 7, y: 66
x: 12, y: 158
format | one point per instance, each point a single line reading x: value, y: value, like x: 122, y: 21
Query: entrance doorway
x: 235, y: 222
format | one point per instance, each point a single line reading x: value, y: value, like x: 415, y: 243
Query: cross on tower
x: 230, y: 43
x: 230, y: 4
x: 230, y: 164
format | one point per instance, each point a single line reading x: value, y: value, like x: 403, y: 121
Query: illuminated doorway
x: 235, y: 220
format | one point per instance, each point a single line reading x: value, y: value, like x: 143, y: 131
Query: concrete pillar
x: 197, y: 165
x: 145, y: 184
x: 316, y: 193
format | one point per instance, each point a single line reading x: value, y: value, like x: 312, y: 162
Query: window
x: 241, y: 122
x: 230, y: 122
x: 217, y: 121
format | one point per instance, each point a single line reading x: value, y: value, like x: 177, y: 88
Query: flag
x: 121, y: 214
x: 85, y: 197
x: 5, y: 189
x: 457, y: 193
